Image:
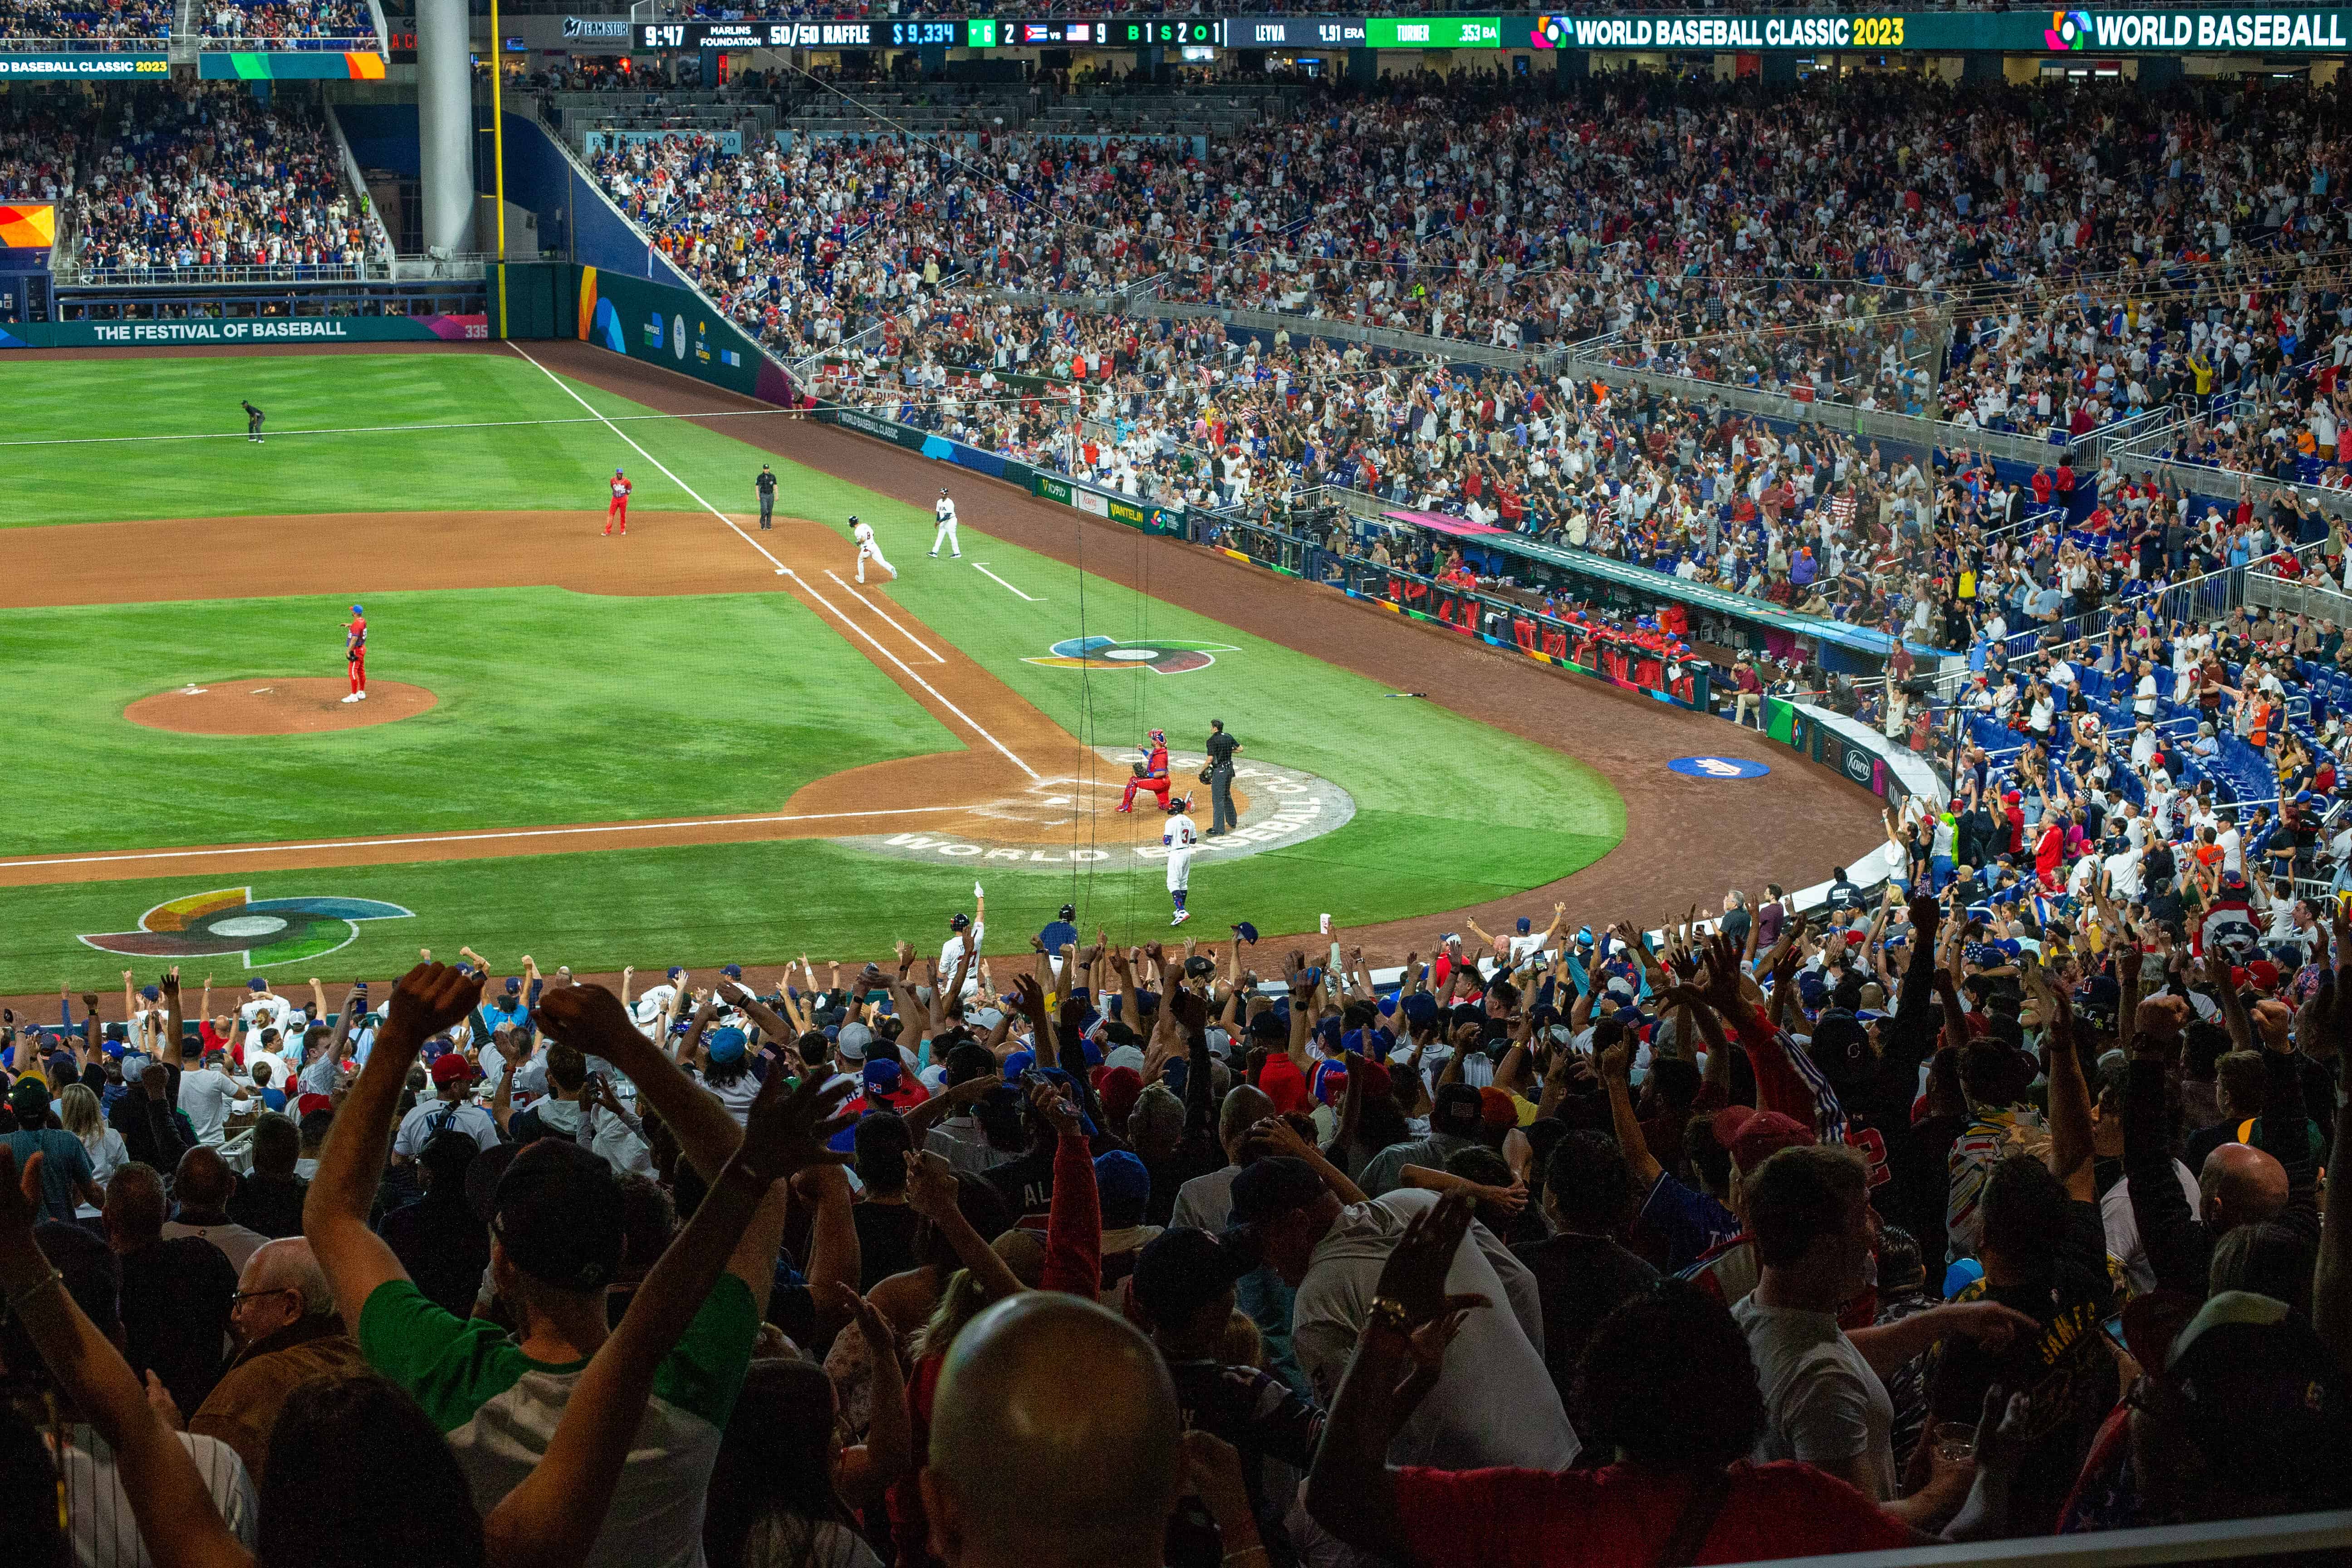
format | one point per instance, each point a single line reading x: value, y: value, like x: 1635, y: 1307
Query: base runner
x: 944, y: 509
x: 619, y: 505
x: 1151, y: 774
x: 867, y: 550
x: 355, y: 652
x: 1181, y: 838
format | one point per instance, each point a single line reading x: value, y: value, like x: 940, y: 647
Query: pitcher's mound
x: 265, y: 705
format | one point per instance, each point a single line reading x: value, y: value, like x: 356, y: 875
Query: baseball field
x: 704, y: 742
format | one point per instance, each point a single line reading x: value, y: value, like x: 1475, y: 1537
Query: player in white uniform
x: 1181, y: 838
x: 867, y: 548
x: 945, y: 511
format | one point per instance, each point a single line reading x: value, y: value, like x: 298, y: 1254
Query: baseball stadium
x: 794, y: 783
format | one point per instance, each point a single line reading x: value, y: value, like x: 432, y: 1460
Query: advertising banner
x: 674, y: 330
x: 306, y: 66
x: 83, y: 67
x: 260, y: 330
x: 605, y: 141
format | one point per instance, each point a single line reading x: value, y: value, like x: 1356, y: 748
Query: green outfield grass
x: 557, y: 707
x: 95, y: 473
x: 554, y: 707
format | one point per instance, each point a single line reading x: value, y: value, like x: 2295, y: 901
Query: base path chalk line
x: 466, y: 837
x: 877, y: 609
x: 784, y: 571
x: 1000, y: 581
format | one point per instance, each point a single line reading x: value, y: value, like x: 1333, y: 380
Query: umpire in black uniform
x: 766, y: 485
x: 1222, y: 748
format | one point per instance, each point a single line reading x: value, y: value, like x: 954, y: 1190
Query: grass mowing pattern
x: 560, y: 706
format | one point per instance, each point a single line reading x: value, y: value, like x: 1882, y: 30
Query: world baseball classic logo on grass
x: 1162, y: 656
x: 231, y: 922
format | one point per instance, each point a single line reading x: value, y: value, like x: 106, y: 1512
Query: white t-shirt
x: 1822, y: 1402
x: 1502, y: 1408
x: 205, y: 1094
x: 2116, y: 1217
x: 418, y: 1127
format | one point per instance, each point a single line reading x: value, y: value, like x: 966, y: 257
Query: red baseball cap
x: 452, y: 1068
x: 1754, y: 1136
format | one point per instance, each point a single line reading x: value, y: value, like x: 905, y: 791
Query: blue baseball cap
x: 356, y: 610
x: 727, y: 1045
x: 672, y: 972
x: 256, y: 984
x: 514, y: 984
x: 1245, y: 930
x: 150, y: 991
x: 733, y: 971
x: 1525, y: 925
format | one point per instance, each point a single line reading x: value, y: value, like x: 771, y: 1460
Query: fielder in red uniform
x: 1155, y: 772
x: 619, y: 506
x: 355, y: 652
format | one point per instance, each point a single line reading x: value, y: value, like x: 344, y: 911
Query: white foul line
x: 994, y: 578
x: 878, y: 610
x: 648, y: 456
x: 784, y: 571
x: 462, y: 838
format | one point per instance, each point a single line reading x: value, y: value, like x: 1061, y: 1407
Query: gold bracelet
x: 17, y: 1302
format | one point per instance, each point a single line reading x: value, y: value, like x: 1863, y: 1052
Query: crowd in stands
x: 127, y: 21
x: 208, y: 176
x: 1945, y: 1217
x: 284, y: 21
x: 2199, y: 283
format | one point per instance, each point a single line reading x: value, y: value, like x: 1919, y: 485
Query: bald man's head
x: 1053, y: 1441
x: 289, y: 1264
x: 2240, y: 1185
x: 203, y: 1181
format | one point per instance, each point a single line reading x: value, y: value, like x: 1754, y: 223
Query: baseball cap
x: 1245, y: 930
x: 150, y: 993
x: 672, y: 972
x: 558, y: 1213
x: 1275, y: 1186
x: 256, y: 984
x: 1754, y: 1136
x: 852, y: 1042
x: 733, y: 971
x: 514, y: 986
x: 727, y: 1044
x: 1125, y: 1186
x: 1525, y: 925
x: 1181, y: 1270
x: 885, y: 1080
x: 451, y: 1068
x: 1458, y: 1111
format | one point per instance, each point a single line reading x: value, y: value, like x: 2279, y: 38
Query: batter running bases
x: 945, y: 511
x: 867, y: 550
x: 1181, y: 838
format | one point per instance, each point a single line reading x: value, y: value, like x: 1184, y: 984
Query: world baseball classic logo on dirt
x: 231, y: 922
x: 1162, y: 656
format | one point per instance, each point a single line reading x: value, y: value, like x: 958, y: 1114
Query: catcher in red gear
x: 1151, y: 773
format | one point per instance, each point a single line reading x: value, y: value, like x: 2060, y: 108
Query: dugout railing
x: 1622, y: 656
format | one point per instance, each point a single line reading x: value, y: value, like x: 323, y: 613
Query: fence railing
x: 163, y: 276
x: 131, y: 44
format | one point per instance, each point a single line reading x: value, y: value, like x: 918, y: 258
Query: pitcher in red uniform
x: 355, y: 652
x: 1154, y: 776
x: 619, y: 506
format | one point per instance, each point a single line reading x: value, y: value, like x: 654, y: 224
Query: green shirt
x: 499, y: 1409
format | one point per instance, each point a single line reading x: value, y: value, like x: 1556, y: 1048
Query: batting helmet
x: 1177, y: 803
x: 959, y: 922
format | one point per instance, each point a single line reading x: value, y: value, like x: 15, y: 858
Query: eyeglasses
x: 242, y: 1297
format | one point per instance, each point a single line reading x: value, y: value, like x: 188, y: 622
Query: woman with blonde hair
x: 77, y: 1112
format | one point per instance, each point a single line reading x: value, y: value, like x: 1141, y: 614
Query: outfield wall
x: 252, y: 330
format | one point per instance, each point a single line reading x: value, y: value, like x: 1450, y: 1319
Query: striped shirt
x: 106, y: 1533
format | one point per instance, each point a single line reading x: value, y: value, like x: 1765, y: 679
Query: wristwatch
x: 1387, y: 1312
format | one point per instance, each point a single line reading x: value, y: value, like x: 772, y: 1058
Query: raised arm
x: 541, y: 1523
x: 428, y: 998
x: 176, y: 1515
x: 932, y: 1193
